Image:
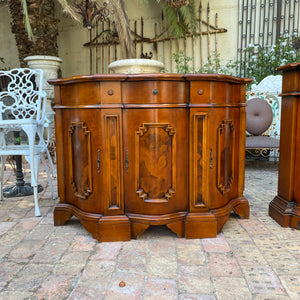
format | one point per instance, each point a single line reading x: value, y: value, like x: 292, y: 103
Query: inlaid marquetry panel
x: 113, y: 160
x: 225, y: 155
x: 80, y: 159
x: 155, y: 152
x: 198, y: 184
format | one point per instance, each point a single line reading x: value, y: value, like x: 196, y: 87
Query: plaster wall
x: 8, y: 48
x: 72, y: 35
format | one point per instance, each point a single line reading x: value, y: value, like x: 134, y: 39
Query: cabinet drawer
x: 200, y: 92
x: 154, y: 92
x: 110, y: 92
x: 214, y: 92
x: 80, y: 93
x: 91, y: 93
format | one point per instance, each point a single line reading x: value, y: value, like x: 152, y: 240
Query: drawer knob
x: 155, y: 92
x: 200, y: 92
x: 110, y: 92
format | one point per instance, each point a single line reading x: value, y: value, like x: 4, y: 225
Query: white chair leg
x: 34, y: 166
x: 37, y: 211
x: 3, y: 160
x: 51, y: 163
x: 49, y: 176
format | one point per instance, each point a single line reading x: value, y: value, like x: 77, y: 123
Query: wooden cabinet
x: 285, y: 207
x: 155, y: 149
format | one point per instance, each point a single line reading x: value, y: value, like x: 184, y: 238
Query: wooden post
x: 285, y: 207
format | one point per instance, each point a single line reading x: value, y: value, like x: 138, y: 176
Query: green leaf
x: 26, y: 20
x: 182, y: 20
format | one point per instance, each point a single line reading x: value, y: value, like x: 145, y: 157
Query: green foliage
x: 212, y: 65
x: 257, y: 63
x: 26, y: 19
x: 182, y: 63
x: 182, y: 20
x: 260, y: 63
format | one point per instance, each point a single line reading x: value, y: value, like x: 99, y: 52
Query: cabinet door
x: 214, y: 157
x: 156, y: 161
x: 81, y: 157
x: 223, y: 148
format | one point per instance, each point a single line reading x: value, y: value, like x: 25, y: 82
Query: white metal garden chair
x: 22, y: 107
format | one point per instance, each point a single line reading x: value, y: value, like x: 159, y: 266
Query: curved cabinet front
x: 141, y: 150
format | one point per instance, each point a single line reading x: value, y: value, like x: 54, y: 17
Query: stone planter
x: 136, y: 66
x: 50, y: 65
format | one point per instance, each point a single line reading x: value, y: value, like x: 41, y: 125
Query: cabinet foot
x: 62, y: 213
x: 177, y: 227
x: 295, y: 218
x: 221, y: 221
x: 114, y: 228
x: 200, y: 225
x: 61, y: 217
x: 239, y: 205
x: 241, y: 208
x: 137, y: 229
x: 280, y: 210
x: 91, y: 227
x: 102, y: 228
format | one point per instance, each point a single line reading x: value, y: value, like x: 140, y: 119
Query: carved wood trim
x: 225, y: 155
x: 142, y: 194
x: 87, y: 187
x: 198, y: 185
x: 242, y: 150
x: 113, y: 161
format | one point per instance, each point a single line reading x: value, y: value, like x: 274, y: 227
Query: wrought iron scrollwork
x: 92, y: 13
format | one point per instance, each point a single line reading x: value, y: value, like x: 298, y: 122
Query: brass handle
x: 98, y: 161
x: 155, y: 92
x: 211, y: 159
x: 126, y: 161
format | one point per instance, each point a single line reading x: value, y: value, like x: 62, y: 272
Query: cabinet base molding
x: 285, y: 213
x: 174, y: 221
x: 64, y: 211
x: 124, y: 227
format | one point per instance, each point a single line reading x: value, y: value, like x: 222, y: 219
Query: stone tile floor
x: 250, y: 259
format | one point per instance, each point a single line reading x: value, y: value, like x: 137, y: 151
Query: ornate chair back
x: 22, y: 96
